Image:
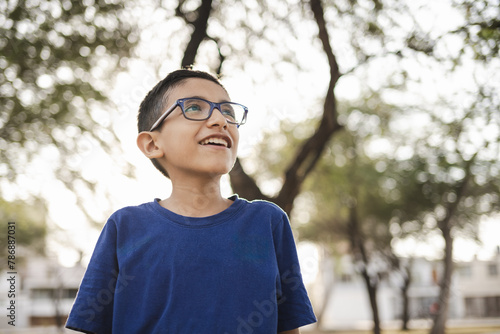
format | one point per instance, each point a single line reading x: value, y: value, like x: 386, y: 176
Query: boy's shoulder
x: 263, y: 205
x: 265, y: 208
x: 132, y: 211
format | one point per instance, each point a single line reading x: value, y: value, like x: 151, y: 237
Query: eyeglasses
x: 197, y: 109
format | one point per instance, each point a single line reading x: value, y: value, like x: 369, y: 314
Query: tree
x: 404, y: 268
x: 350, y: 202
x: 310, y: 149
x: 57, y: 59
x: 454, y: 178
x: 28, y: 231
x: 453, y: 169
x: 354, y: 203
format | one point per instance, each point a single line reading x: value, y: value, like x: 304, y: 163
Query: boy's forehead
x: 197, y: 87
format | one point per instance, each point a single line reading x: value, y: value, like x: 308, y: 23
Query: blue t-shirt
x: 154, y: 271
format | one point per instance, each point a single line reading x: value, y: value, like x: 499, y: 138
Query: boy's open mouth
x: 217, y: 141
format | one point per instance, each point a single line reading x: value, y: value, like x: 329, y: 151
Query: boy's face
x: 186, y: 145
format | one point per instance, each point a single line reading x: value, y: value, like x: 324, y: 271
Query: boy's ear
x: 146, y: 141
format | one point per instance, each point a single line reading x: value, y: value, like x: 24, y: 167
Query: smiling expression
x: 197, y: 148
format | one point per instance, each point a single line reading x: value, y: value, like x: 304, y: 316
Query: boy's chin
x: 219, y: 169
x: 212, y: 171
x: 218, y: 173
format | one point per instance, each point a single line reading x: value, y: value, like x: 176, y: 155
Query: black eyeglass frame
x: 213, y: 105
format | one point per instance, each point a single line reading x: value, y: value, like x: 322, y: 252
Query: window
x: 478, y: 307
x: 474, y: 307
x: 492, y: 306
x: 465, y: 271
x: 69, y: 293
x: 493, y: 269
x: 344, y: 277
x: 42, y: 293
x: 49, y: 293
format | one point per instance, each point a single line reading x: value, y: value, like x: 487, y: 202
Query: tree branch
x: 244, y: 185
x: 451, y: 209
x: 200, y: 25
x: 310, y: 152
x: 218, y: 71
x: 319, y: 16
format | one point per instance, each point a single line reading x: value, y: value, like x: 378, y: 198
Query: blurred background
x: 375, y: 124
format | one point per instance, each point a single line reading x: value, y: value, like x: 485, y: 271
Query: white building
x: 45, y: 292
x: 479, y: 287
x: 475, y: 293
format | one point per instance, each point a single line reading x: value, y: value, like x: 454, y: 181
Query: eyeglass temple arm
x: 163, y: 116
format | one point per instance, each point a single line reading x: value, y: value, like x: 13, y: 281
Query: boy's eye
x: 192, y: 108
x: 227, y: 110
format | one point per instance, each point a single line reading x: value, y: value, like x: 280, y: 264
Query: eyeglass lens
x: 199, y: 109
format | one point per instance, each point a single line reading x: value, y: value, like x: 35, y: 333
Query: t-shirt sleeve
x: 92, y: 311
x: 294, y: 307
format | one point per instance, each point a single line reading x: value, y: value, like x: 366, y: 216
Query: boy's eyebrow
x: 204, y: 98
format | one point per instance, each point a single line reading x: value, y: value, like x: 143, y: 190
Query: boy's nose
x: 217, y: 118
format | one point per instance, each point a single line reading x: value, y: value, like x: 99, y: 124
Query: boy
x: 195, y: 262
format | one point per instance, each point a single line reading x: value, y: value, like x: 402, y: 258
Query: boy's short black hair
x: 154, y: 104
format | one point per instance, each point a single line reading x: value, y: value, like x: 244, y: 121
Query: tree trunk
x: 309, y: 152
x: 439, y: 325
x: 244, y: 185
x: 405, y: 316
x: 372, y: 287
x: 200, y: 25
x: 445, y: 226
x: 360, y: 256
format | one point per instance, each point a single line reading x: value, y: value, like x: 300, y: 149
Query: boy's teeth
x: 214, y: 141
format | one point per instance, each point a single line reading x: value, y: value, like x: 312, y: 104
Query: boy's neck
x: 197, y: 198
